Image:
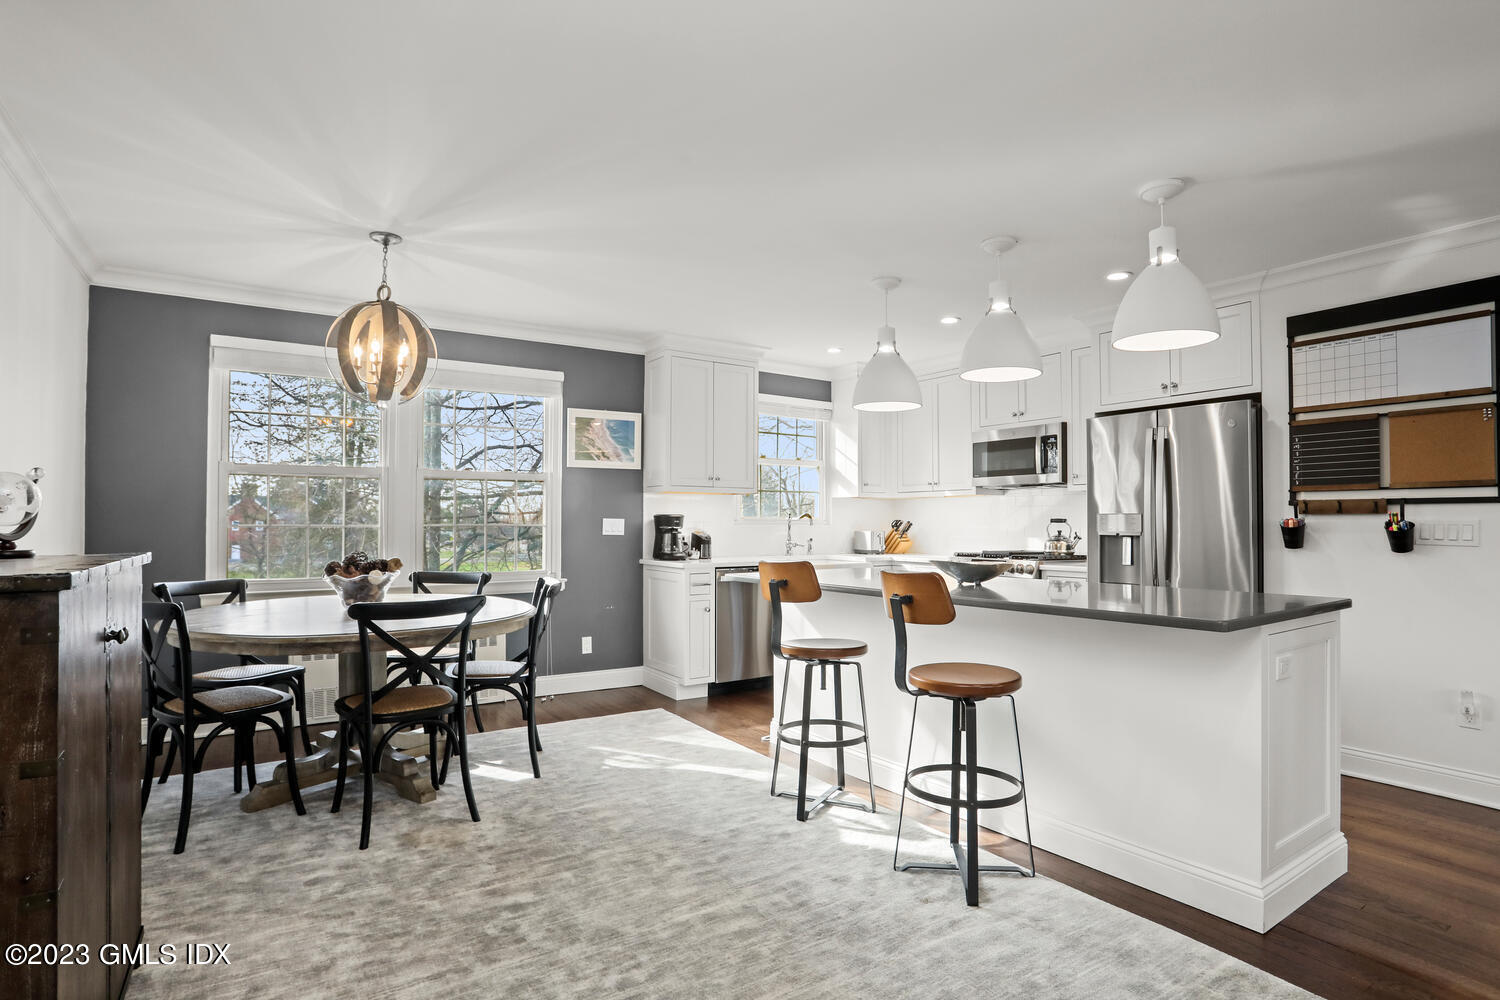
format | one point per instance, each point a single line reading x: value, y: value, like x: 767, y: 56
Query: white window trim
x: 400, y: 446
x: 805, y: 409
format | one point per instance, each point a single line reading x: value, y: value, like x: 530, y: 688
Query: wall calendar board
x: 1396, y: 393
x: 1433, y: 359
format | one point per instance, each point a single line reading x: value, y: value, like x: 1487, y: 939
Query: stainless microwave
x: 1032, y: 455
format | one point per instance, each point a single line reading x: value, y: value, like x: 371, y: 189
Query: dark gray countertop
x: 1166, y: 607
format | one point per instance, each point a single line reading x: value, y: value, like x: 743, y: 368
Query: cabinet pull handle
x: 120, y: 635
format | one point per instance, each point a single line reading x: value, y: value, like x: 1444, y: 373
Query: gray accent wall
x: 773, y: 384
x: 147, y: 451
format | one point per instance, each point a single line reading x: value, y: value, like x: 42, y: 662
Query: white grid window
x: 484, y: 487
x: 302, y: 477
x: 304, y: 473
x: 791, y: 448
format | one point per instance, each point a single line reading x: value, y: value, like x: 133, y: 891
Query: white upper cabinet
x: 700, y: 424
x: 1032, y: 401
x: 934, y: 443
x: 1226, y: 363
x: 1084, y: 362
x: 735, y: 392
x: 916, y: 435
x: 1148, y: 376
x: 1133, y: 376
x: 954, y: 424
x: 690, y: 389
x: 877, y: 453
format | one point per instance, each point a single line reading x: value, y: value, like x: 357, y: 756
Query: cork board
x: 1446, y: 446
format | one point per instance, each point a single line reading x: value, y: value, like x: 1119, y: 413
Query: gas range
x: 1019, y: 562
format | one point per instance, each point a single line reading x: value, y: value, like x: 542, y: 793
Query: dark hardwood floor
x: 1417, y: 915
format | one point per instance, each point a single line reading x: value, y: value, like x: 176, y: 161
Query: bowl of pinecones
x: 360, y: 579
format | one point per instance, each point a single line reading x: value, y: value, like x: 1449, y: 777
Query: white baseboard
x: 671, y: 687
x: 1420, y: 776
x: 1258, y: 907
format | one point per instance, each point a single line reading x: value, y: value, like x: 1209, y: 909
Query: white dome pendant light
x: 1000, y: 349
x: 887, y: 383
x: 1166, y: 307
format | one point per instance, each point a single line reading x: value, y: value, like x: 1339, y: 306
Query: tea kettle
x: 1062, y: 540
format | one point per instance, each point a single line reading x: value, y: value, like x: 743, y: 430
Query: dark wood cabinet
x: 70, y: 828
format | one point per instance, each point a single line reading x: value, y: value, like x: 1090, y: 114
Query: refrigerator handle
x: 1159, y: 518
x: 1164, y: 486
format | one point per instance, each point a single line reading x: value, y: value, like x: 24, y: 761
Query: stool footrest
x: 785, y: 730
x: 968, y: 802
x: 827, y: 799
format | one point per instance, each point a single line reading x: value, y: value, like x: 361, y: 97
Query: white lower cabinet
x: 677, y: 630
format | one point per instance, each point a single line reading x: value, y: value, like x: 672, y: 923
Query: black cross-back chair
x: 435, y: 706
x: 251, y: 670
x: 178, y: 707
x: 422, y: 582
x: 517, y: 676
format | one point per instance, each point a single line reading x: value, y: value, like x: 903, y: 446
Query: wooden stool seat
x: 965, y: 680
x: 823, y: 649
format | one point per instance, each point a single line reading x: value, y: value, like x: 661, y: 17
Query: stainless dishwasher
x: 742, y: 628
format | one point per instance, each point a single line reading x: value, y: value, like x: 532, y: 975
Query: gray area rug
x: 649, y: 861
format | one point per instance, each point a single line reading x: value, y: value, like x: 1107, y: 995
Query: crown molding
x: 322, y: 305
x: 36, y: 187
x: 737, y: 350
x: 1455, y: 237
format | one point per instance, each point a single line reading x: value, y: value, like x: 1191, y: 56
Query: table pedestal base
x: 401, y: 768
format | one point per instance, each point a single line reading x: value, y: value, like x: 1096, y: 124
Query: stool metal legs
x: 798, y: 732
x: 964, y: 772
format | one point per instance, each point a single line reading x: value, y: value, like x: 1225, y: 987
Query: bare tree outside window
x: 483, y: 497
x: 304, y: 485
x: 789, y: 469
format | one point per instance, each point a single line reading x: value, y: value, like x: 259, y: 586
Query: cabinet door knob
x: 1174, y: 386
x: 120, y: 635
x: 1164, y: 387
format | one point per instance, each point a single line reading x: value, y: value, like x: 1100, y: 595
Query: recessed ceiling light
x: 950, y: 320
x: 1118, y: 275
x: 835, y: 350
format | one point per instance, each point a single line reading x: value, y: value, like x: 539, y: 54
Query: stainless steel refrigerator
x: 1174, y: 496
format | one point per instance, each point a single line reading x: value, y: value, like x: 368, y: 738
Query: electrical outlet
x: 1468, y: 710
x: 1283, y: 666
x: 588, y: 644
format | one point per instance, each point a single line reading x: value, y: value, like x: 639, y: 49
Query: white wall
x: 43, y: 367
x: 1423, y: 625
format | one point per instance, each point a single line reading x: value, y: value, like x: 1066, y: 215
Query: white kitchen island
x: 1183, y: 740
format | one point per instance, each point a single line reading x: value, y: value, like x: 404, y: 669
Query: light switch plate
x: 614, y: 526
x: 1464, y: 533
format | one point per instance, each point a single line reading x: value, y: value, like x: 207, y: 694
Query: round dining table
x: 310, y: 626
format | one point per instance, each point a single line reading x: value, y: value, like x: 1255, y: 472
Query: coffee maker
x: 669, y: 542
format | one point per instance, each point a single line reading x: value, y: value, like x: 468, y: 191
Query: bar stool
x: 797, y: 583
x: 923, y: 599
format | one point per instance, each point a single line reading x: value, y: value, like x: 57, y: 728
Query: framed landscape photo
x: 604, y: 439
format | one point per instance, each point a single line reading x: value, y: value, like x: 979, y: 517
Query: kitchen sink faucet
x: 792, y: 546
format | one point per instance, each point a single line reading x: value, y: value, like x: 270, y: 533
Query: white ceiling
x: 739, y: 172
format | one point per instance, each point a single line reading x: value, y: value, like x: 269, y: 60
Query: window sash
x: 788, y: 408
